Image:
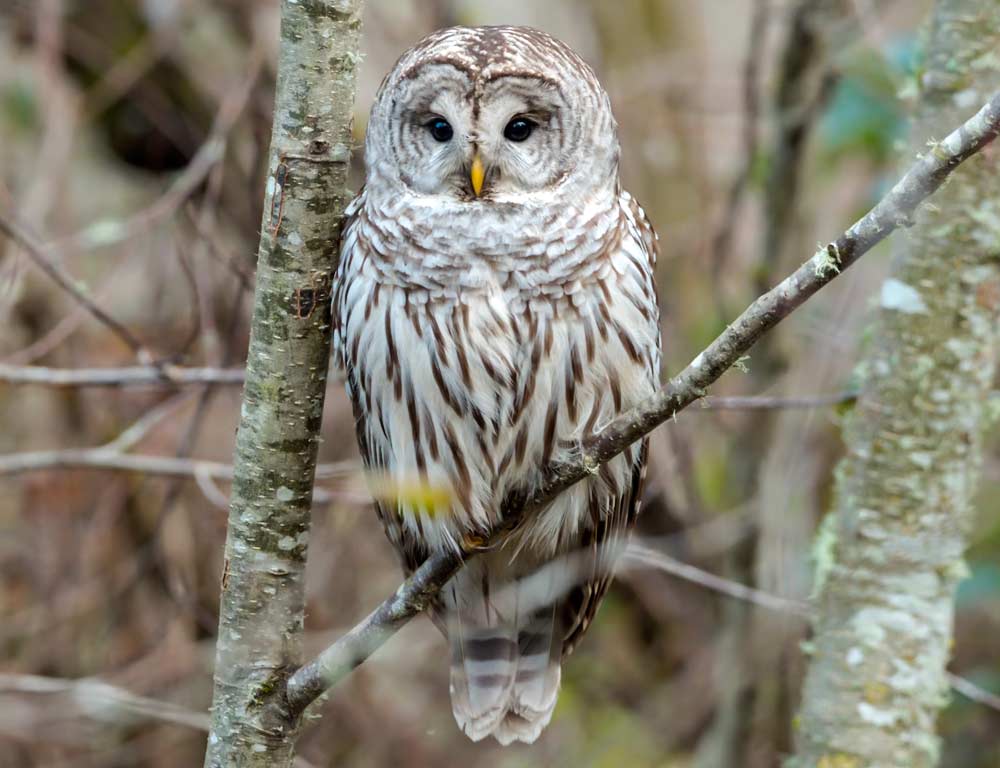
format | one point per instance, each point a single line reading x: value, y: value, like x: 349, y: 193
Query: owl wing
x: 373, y: 440
x: 614, y: 518
x: 603, y: 544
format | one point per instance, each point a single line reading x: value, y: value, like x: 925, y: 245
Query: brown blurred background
x: 133, y: 137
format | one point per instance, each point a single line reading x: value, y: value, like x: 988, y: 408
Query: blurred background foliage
x: 133, y: 136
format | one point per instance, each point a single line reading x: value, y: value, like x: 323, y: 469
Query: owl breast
x: 470, y: 371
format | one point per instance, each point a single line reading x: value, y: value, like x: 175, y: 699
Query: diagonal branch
x: 896, y: 209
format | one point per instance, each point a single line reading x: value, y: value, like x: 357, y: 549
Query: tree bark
x: 891, y: 555
x: 261, y: 614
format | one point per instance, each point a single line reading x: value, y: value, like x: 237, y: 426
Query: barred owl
x: 494, y: 305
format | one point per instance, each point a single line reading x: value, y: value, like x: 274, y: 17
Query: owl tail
x: 505, y: 662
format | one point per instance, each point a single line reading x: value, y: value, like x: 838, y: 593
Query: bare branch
x: 354, y: 647
x: 894, y: 210
x: 639, y: 555
x: 113, y: 459
x: 103, y: 701
x: 209, y: 155
x: 174, y: 375
x: 139, y: 375
x: 973, y: 692
x: 21, y: 235
x: 764, y: 403
x: 103, y: 458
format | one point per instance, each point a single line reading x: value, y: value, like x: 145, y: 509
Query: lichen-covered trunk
x: 261, y: 613
x: 892, y: 553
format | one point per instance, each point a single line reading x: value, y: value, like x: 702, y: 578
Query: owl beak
x: 477, y: 174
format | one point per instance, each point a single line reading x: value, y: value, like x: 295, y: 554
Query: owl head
x: 480, y: 115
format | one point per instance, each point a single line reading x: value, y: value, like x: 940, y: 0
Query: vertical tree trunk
x: 261, y: 614
x: 890, y: 558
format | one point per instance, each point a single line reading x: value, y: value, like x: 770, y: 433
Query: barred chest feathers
x: 473, y: 365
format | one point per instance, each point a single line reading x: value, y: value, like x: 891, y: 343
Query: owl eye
x: 519, y: 129
x: 440, y: 129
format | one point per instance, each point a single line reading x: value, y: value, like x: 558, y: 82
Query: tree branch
x: 22, y: 236
x: 106, y: 702
x: 147, y: 375
x: 131, y: 376
x: 894, y: 210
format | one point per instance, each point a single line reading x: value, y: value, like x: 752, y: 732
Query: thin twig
x: 67, y: 325
x: 147, y: 375
x: 646, y: 557
x: 113, y: 459
x: 132, y: 435
x: 209, y: 154
x: 103, y: 701
x: 640, y: 555
x: 764, y: 403
x: 21, y: 235
x: 973, y: 692
x: 140, y: 375
x: 896, y: 209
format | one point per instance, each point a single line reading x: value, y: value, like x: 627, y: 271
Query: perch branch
x: 896, y: 209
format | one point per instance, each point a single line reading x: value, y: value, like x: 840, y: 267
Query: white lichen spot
x: 881, y: 718
x: 855, y: 656
x: 961, y: 349
x: 294, y: 238
x: 258, y: 748
x: 287, y: 543
x: 870, y: 633
x: 284, y: 494
x: 899, y: 296
x: 907, y: 678
x: 826, y: 260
